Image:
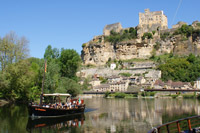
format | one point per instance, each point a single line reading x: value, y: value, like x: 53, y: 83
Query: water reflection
x: 55, y: 124
x: 103, y: 115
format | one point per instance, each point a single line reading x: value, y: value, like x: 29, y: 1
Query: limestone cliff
x: 98, y: 51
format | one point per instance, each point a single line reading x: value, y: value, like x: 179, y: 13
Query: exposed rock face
x: 99, y: 53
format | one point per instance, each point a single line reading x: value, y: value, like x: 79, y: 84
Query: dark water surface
x: 102, y: 115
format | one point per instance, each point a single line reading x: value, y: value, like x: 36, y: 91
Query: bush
x: 174, y: 96
x: 164, y: 35
x: 115, y: 37
x: 120, y: 95
x: 83, y: 45
x: 125, y: 74
x: 147, y: 35
x: 107, y: 94
x: 145, y: 94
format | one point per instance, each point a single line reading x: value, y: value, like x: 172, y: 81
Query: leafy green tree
x: 70, y: 86
x: 12, y: 49
x: 17, y: 81
x: 69, y: 63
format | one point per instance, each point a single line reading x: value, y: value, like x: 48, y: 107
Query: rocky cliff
x: 98, y: 51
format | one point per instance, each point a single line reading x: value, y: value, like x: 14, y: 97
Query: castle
x: 153, y: 20
x: 148, y: 21
x: 99, y: 50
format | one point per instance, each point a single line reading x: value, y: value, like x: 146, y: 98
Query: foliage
x: 198, y: 24
x: 153, y: 32
x: 125, y: 74
x: 67, y: 85
x: 107, y: 94
x: 164, y: 35
x: 120, y: 95
x: 51, y: 53
x: 185, y: 30
x: 86, y: 84
x: 17, y: 81
x: 147, y: 35
x: 23, y: 80
x: 185, y: 69
x: 83, y: 45
x: 144, y: 94
x: 102, y: 79
x: 115, y: 37
x: 12, y: 49
x: 174, y: 96
x: 69, y: 63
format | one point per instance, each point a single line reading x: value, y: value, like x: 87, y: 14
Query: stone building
x: 149, y: 21
x: 116, y: 27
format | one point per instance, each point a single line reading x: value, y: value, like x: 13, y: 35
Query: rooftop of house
x: 102, y: 86
x: 171, y: 83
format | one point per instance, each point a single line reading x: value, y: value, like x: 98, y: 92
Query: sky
x: 70, y: 23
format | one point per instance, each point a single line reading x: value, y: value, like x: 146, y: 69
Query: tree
x: 17, y: 81
x: 12, y: 49
x: 69, y: 63
x: 70, y: 86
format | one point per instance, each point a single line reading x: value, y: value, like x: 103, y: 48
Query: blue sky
x: 69, y: 23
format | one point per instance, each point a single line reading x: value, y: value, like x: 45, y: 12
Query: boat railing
x: 189, y: 124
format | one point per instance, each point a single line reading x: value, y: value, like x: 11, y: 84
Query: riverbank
x: 189, y: 95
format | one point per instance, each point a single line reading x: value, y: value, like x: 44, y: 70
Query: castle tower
x: 150, y: 21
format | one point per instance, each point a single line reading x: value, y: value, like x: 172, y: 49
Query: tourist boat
x: 75, y: 120
x: 74, y: 106
x: 186, y: 125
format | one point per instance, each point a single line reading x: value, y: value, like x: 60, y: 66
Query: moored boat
x: 72, y: 106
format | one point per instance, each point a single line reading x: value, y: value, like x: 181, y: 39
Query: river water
x: 102, y: 116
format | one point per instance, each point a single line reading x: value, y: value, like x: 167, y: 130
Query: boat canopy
x: 57, y: 94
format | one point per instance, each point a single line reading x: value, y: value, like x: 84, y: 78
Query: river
x: 103, y: 115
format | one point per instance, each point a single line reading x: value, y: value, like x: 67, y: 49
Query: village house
x: 95, y: 82
x: 102, y: 88
x: 119, y: 86
x: 113, y: 79
x: 172, y: 85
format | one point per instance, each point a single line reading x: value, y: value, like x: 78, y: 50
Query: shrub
x: 120, y: 95
x: 164, y: 35
x: 174, y: 96
x: 107, y: 94
x: 125, y: 74
x: 147, y: 35
x: 83, y: 45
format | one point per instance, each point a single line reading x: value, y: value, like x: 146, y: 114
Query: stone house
x: 116, y: 27
x: 95, y: 82
x: 159, y: 84
x: 102, y: 88
x: 172, y: 85
x: 119, y: 86
x: 140, y: 80
x: 114, y: 78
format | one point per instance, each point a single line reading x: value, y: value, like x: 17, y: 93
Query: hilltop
x: 150, y: 38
